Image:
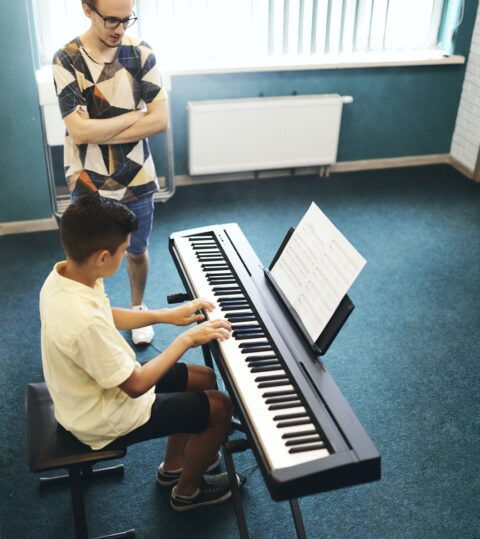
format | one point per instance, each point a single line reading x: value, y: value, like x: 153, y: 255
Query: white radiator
x: 235, y: 135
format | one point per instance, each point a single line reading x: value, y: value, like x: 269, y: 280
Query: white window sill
x: 276, y: 63
x: 178, y: 66
x: 285, y: 63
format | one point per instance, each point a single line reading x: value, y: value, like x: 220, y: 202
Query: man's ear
x: 87, y: 10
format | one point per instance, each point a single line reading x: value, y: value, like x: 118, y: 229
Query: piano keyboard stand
x: 304, y: 435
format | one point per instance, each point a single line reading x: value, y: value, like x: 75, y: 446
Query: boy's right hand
x: 208, y: 331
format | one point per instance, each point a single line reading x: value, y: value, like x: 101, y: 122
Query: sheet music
x: 315, y: 270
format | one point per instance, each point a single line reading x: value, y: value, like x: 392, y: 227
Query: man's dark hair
x: 93, y: 223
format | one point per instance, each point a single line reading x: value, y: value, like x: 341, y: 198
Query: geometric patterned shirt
x: 125, y: 171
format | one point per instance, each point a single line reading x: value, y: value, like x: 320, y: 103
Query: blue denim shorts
x: 143, y: 209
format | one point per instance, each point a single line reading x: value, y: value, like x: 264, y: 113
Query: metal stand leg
x: 207, y: 356
x: 228, y: 448
x: 297, y: 518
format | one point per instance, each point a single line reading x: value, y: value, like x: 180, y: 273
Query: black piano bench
x: 50, y: 447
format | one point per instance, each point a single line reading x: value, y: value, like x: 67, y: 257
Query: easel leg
x: 297, y: 518
x: 232, y: 476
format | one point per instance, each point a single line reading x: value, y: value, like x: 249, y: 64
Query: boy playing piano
x: 102, y: 395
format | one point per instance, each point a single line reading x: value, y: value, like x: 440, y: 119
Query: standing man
x: 111, y: 99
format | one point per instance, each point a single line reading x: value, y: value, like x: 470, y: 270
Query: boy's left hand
x: 187, y: 314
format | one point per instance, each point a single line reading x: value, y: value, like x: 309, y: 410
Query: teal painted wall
x: 396, y: 111
x: 23, y: 179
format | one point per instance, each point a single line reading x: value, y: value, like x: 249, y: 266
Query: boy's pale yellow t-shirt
x: 85, y: 359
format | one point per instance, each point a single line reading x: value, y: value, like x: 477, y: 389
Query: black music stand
x: 336, y: 322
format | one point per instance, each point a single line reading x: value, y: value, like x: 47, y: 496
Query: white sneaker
x: 142, y: 335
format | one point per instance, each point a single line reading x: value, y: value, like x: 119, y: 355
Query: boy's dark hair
x: 93, y: 223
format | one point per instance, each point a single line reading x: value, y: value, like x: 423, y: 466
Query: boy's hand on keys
x: 208, y: 331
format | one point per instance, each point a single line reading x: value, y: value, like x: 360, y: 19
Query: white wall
x: 466, y: 137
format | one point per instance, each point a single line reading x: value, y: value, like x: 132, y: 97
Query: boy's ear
x: 101, y: 257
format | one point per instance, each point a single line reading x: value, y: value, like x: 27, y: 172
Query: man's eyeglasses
x: 112, y: 23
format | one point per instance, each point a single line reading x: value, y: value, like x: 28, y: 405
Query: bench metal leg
x: 76, y: 478
x: 78, y: 506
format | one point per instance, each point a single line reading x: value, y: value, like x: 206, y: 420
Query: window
x: 196, y: 32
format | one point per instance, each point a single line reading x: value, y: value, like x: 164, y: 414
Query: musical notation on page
x: 315, y: 270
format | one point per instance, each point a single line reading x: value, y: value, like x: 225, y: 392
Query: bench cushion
x: 49, y: 446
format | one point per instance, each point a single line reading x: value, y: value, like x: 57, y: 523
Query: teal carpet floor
x: 407, y: 361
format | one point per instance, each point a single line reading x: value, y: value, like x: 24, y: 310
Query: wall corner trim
x: 462, y: 168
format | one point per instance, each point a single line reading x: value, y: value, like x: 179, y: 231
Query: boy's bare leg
x: 200, y: 378
x: 137, y: 265
x: 201, y: 448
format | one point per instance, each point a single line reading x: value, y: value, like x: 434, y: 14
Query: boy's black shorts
x: 174, y: 410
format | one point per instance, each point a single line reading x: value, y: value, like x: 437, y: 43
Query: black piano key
x: 247, y: 334
x: 279, y: 393
x: 203, y: 258
x: 235, y: 302
x: 274, y: 384
x: 222, y: 281
x: 244, y: 326
x: 249, y: 331
x: 306, y: 448
x: 253, y: 361
x: 253, y: 344
x: 285, y: 406
x: 294, y: 423
x: 238, y: 314
x: 272, y: 378
x: 276, y: 400
x: 237, y: 309
x: 204, y: 246
x: 299, y: 434
x: 289, y: 416
x: 271, y: 368
x: 263, y: 364
x: 265, y: 348
x: 306, y: 441
x: 246, y: 319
